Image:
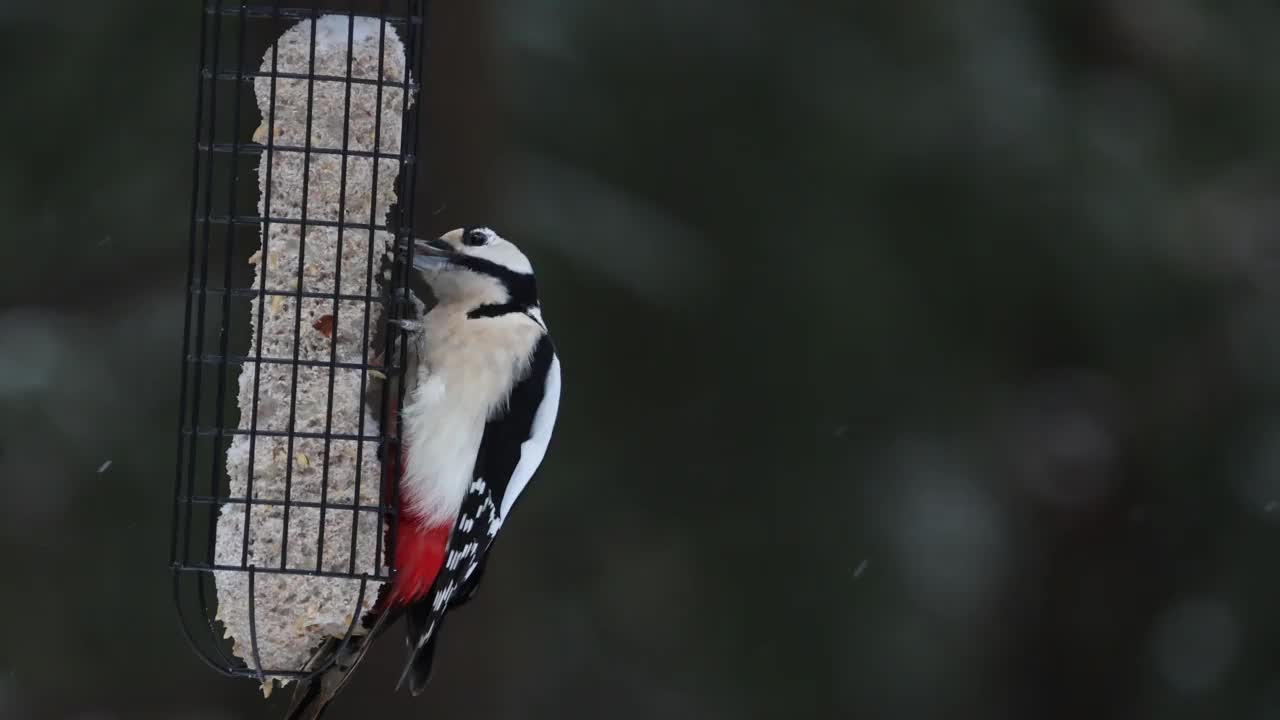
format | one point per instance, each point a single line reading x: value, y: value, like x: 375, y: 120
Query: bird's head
x: 476, y: 267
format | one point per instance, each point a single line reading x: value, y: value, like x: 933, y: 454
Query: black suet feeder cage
x: 298, y: 255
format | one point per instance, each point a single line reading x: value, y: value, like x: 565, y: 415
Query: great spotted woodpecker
x: 484, y: 389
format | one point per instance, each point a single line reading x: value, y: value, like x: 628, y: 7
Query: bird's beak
x: 432, y: 254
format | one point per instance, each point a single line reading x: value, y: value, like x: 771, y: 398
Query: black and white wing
x: 514, y: 443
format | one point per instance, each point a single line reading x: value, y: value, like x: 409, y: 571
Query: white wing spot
x: 535, y: 448
x: 443, y: 596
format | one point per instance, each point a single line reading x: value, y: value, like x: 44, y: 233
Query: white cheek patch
x: 503, y: 253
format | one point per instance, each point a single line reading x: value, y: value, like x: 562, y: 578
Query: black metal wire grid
x: 217, y: 313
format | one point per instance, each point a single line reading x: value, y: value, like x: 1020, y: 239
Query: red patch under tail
x: 420, y: 552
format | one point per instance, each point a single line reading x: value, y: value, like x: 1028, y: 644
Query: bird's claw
x: 413, y: 327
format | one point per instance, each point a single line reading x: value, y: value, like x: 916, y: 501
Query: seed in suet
x: 325, y: 325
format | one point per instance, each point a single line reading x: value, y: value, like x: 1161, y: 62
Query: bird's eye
x: 475, y: 238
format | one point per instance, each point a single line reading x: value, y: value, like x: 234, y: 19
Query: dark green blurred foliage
x: 921, y: 358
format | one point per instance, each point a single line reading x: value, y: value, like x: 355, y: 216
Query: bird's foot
x: 413, y: 327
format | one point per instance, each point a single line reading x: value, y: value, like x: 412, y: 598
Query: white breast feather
x: 470, y: 367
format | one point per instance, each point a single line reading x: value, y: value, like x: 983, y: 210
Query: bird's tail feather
x: 312, y: 697
x: 423, y: 620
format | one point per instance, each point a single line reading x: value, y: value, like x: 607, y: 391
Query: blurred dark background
x: 921, y: 358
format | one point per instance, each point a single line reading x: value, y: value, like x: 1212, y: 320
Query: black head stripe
x: 495, y: 310
x: 522, y: 289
